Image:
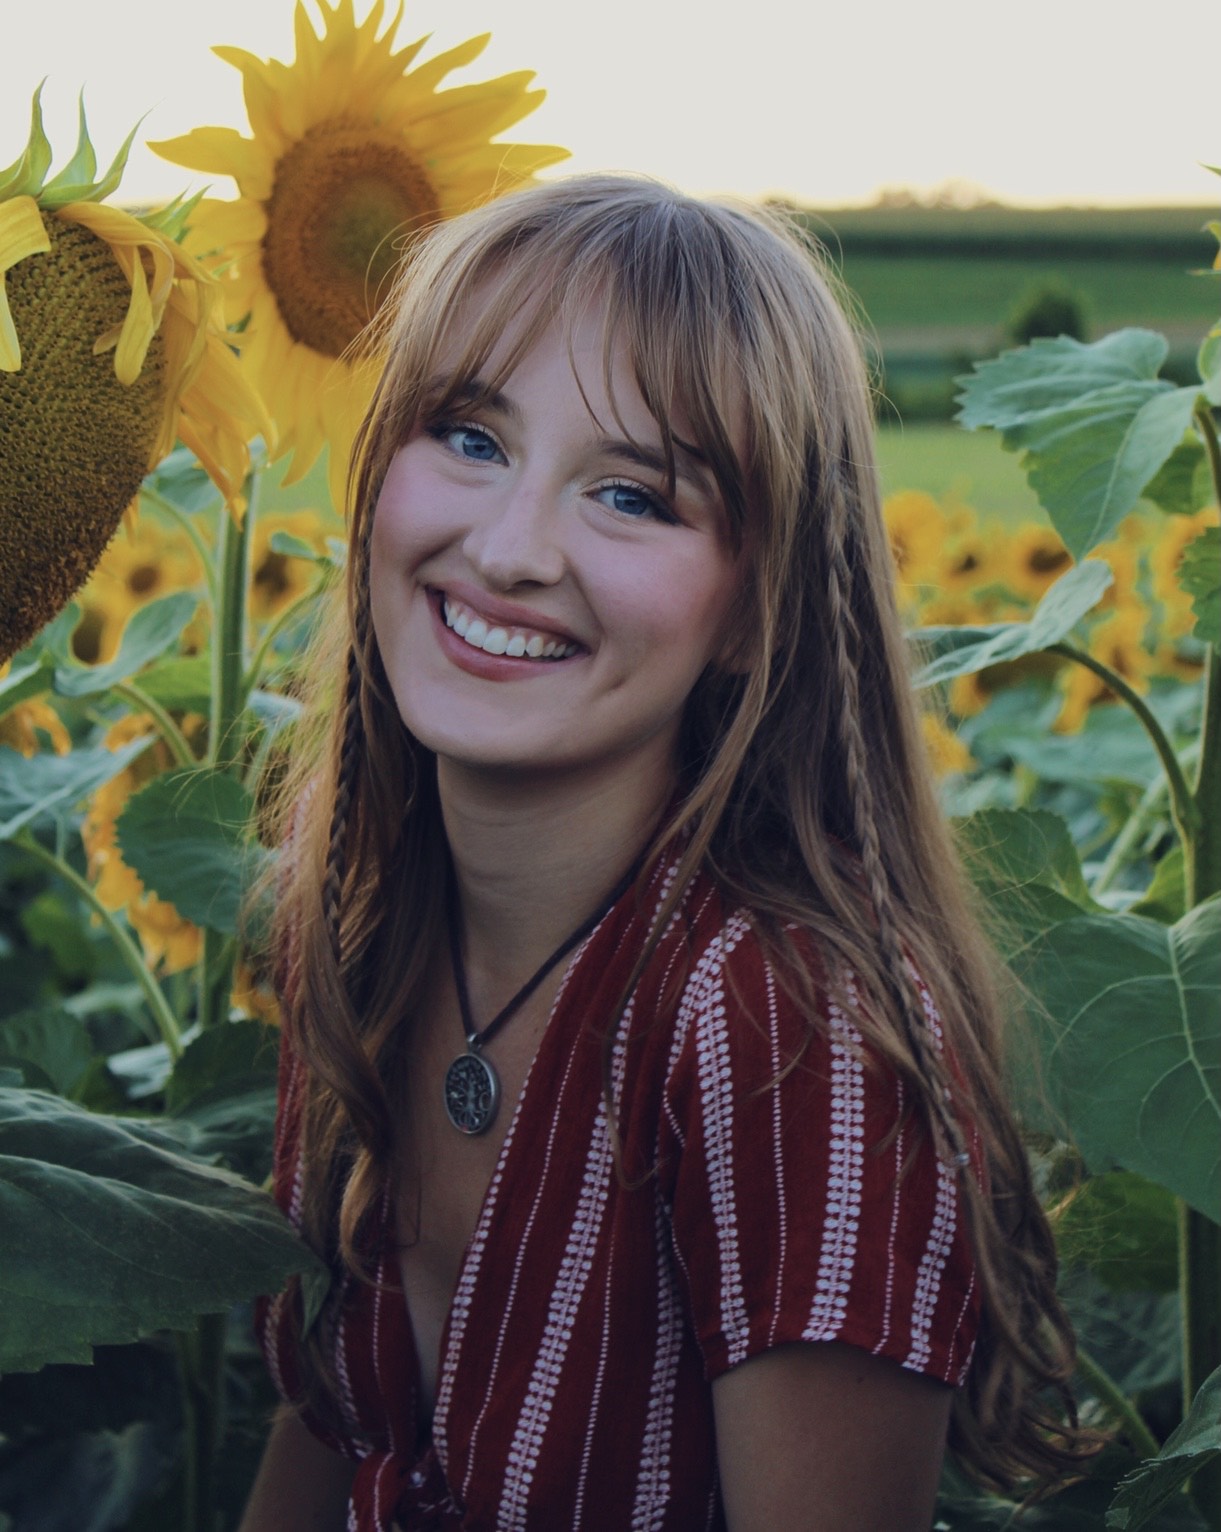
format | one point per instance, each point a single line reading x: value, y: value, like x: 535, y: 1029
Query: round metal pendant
x: 472, y: 1093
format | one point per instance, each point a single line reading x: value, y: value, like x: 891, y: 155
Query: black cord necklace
x: 472, y: 1086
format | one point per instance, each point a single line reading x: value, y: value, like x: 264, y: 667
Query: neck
x: 533, y: 860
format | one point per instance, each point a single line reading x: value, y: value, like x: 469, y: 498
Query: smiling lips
x: 516, y: 643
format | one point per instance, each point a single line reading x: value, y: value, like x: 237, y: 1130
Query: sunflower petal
x: 425, y: 79
x: 22, y: 233
x: 215, y: 151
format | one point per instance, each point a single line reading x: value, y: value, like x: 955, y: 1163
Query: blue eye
x: 475, y: 444
x: 469, y: 442
x: 631, y: 500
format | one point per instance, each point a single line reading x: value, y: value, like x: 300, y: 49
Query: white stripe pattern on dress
x: 841, y: 1212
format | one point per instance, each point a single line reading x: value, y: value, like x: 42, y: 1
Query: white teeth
x: 476, y: 632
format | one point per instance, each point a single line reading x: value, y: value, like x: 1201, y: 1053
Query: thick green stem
x: 166, y: 727
x: 201, y: 1361
x: 1203, y: 418
x: 1206, y: 864
x: 1182, y: 802
x: 229, y: 634
x: 1200, y: 1290
x: 167, y: 1022
x: 1142, y: 1440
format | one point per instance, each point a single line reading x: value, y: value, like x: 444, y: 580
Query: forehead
x: 623, y: 362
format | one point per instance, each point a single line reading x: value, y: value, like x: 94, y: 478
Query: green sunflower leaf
x: 1199, y: 575
x: 24, y: 177
x: 1166, y: 897
x: 1021, y: 847
x: 150, y: 632
x: 26, y: 679
x: 1130, y: 1037
x: 1093, y: 423
x: 53, y: 1039
x: 222, y: 1092
x: 111, y: 1232
x: 1183, y: 484
x: 31, y: 671
x: 1197, y: 1441
x: 182, y: 683
x: 185, y: 837
x: 1125, y: 1230
x: 50, y: 784
x: 960, y: 650
x: 296, y: 548
x: 1052, y: 374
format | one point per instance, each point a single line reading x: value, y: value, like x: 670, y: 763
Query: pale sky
x: 1043, y: 101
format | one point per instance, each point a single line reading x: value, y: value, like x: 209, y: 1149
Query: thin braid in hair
x: 349, y: 760
x: 345, y: 784
x: 846, y: 646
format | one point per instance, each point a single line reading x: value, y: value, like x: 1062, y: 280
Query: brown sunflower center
x: 1047, y: 560
x: 344, y: 199
x: 74, y: 441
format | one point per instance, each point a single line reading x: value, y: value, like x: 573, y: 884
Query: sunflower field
x: 179, y: 391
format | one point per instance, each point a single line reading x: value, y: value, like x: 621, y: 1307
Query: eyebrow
x: 690, y: 463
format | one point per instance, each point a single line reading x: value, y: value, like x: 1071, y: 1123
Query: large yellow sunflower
x: 351, y: 152
x: 111, y: 346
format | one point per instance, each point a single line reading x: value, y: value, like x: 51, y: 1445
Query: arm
x: 827, y: 1438
x: 302, y: 1486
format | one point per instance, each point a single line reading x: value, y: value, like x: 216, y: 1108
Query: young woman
x: 640, y: 1066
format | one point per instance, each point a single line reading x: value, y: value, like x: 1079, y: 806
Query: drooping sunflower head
x: 351, y: 152
x: 109, y: 350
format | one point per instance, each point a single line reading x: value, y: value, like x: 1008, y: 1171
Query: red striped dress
x: 590, y: 1315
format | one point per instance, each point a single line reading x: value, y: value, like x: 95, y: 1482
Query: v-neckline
x: 487, y: 1208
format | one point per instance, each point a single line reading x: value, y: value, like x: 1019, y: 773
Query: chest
x: 444, y: 1174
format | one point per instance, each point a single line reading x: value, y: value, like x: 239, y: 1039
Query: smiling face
x: 541, y: 601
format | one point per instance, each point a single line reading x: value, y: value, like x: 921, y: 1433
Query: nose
x: 517, y: 541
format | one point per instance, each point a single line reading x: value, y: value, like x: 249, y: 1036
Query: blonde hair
x: 806, y: 791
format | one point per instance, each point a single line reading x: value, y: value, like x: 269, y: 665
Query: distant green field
x: 963, y: 294
x: 948, y: 462
x: 1154, y: 233
x: 936, y: 287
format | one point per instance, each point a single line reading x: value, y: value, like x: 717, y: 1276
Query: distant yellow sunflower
x: 350, y: 154
x: 916, y: 528
x: 140, y: 565
x: 968, y: 562
x: 110, y: 349
x: 1034, y: 561
x: 278, y: 579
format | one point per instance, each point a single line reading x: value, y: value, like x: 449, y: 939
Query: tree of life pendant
x: 472, y: 1093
